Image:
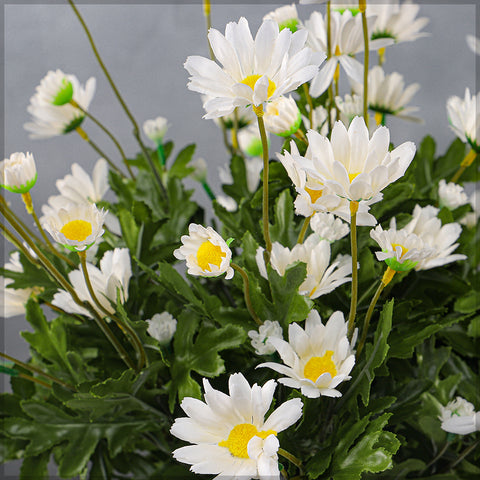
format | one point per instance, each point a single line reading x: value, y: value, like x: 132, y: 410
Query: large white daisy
x: 229, y: 433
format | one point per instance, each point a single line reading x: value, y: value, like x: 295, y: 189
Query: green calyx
x: 75, y: 249
x: 75, y: 123
x: 293, y: 128
x: 384, y: 34
x: 255, y: 149
x: 291, y: 24
x: 64, y: 95
x: 353, y: 10
x: 22, y: 188
x: 473, y: 144
x: 405, y: 266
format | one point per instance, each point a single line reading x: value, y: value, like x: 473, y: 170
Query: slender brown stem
x: 303, y: 231
x: 362, y: 7
x: 246, y: 288
x: 35, y: 380
x: 353, y: 242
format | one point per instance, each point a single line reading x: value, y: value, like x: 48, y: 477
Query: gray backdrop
x: 145, y: 46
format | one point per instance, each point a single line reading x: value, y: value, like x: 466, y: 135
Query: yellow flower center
x: 207, y: 254
x: 239, y: 437
x: 314, y: 194
x: 316, y: 366
x: 337, y: 51
x: 251, y: 80
x: 351, y: 176
x: 77, y: 230
x: 404, y: 250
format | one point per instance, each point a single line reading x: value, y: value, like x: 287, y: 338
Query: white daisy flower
x: 340, y: 4
x: 320, y: 119
x: 18, y: 173
x: 350, y: 106
x: 13, y: 300
x: 206, y: 252
x: 260, y: 339
x: 228, y: 203
x: 353, y: 165
x: 162, y: 327
x: 328, y: 227
x: 397, y: 22
x: 474, y: 44
x: 286, y: 17
x: 317, y: 359
x: 459, y: 417
x: 229, y: 433
x: 76, y: 227
x: 254, y: 71
x: 426, y: 225
x: 50, y: 119
x: 156, y: 129
x: 346, y: 42
x: 471, y: 218
x: 463, y: 116
x: 282, y: 117
x: 451, y: 195
x: 322, y: 278
x: 113, y: 275
x: 387, y: 95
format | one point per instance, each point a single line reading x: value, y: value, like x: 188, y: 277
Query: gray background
x: 145, y: 46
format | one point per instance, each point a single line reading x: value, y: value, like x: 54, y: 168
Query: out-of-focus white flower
x: 350, y: 106
x: 320, y: 119
x: 471, y: 218
x: 50, y: 119
x: 387, y: 95
x: 260, y: 339
x: 451, y: 195
x: 426, y: 225
x: 286, y: 17
x: 200, y: 170
x: 161, y: 327
x: 339, y: 4
x: 328, y: 227
x: 206, y: 252
x: 156, y: 129
x: 253, y: 166
x: 225, y: 175
x: 282, y: 116
x: 322, y: 278
x: 18, y: 173
x: 459, y: 417
x: 229, y: 433
x: 55, y: 88
x: 346, y: 42
x: 463, y: 117
x: 114, y: 274
x: 317, y: 359
x: 254, y: 71
x: 76, y: 227
x: 397, y: 22
x: 13, y: 300
x: 228, y: 203
x: 250, y: 142
x: 474, y: 44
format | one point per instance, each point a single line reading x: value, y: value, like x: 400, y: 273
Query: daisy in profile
x: 156, y: 129
x: 463, y: 118
x: 317, y: 359
x: 206, y: 252
x: 18, y: 173
x: 459, y: 417
x: 231, y: 437
x: 286, y: 17
x: 51, y: 112
x: 253, y: 71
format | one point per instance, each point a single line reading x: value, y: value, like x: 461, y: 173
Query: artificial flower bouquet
x: 322, y: 325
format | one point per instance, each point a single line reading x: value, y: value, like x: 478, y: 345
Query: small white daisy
x: 328, y: 227
x: 451, y: 195
x: 317, y: 359
x: 286, y: 17
x: 260, y: 339
x: 282, y: 117
x: 156, y: 129
x: 229, y: 433
x: 18, y: 173
x: 459, y: 417
x: 206, y: 252
x: 162, y: 327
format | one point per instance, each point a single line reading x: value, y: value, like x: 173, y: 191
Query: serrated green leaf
x: 35, y: 467
x: 284, y: 228
x: 148, y: 192
x: 179, y: 167
x: 469, y: 303
x: 130, y: 229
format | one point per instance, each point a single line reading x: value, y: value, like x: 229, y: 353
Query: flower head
x: 282, y: 116
x: 253, y: 70
x: 50, y: 116
x: 451, y: 195
x: 161, y: 327
x: 328, y: 227
x: 156, y: 129
x: 18, y: 173
x: 76, y: 227
x: 474, y: 44
x: 206, y: 252
x: 229, y: 433
x: 260, y: 339
x: 316, y: 359
x: 459, y: 417
x: 286, y: 17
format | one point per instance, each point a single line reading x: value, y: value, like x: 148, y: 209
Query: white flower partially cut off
x: 206, y: 252
x: 451, y: 195
x: 229, y: 433
x: 260, y: 339
x: 76, y: 227
x: 253, y: 70
x: 317, y: 359
x: 459, y: 417
x: 474, y: 44
x: 50, y: 119
x: 18, y: 173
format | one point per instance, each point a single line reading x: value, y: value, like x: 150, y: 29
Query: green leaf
x: 474, y: 327
x: 148, y: 192
x: 468, y: 303
x: 129, y: 229
x: 35, y: 467
x: 179, y: 167
x: 239, y: 188
x: 284, y: 228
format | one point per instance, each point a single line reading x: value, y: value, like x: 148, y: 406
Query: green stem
x: 107, y: 132
x: 161, y: 155
x: 208, y: 18
x: 329, y: 55
x: 310, y: 104
x: 437, y: 457
x: 291, y: 458
x: 303, y: 231
x: 365, y: 64
x: 35, y: 380
x: 207, y: 189
x: 466, y: 162
x: 464, y: 454
x: 353, y: 242
x: 246, y: 287
x: 17, y: 243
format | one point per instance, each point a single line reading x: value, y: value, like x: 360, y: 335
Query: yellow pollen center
x: 251, y: 80
x: 207, y: 254
x: 316, y: 366
x: 351, y: 176
x: 239, y: 437
x: 77, y: 230
x: 314, y: 194
x: 404, y: 250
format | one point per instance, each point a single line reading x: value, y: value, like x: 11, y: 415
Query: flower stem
x: 246, y: 287
x: 310, y: 104
x: 208, y: 18
x: 266, y: 226
x: 353, y: 242
x: 381, y: 56
x: 464, y: 454
x: 161, y: 155
x: 329, y: 55
x: 208, y: 190
x: 466, y: 162
x: 362, y: 5
x: 301, y: 136
x: 303, y: 231
x: 291, y: 458
x: 10, y: 236
x: 437, y: 457
x: 107, y: 132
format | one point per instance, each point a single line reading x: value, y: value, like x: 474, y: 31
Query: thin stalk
x: 381, y: 56
x: 437, y: 457
x: 161, y: 155
x: 301, y: 136
x: 246, y: 288
x: 464, y: 454
x: 353, y: 242
x: 63, y: 312
x: 466, y: 162
x: 33, y: 369
x: 303, y: 231
x: 329, y: 55
x: 310, y: 104
x: 207, y: 9
x: 266, y: 226
x: 363, y: 7
x: 107, y: 132
x: 17, y: 243
x: 35, y: 380
x: 234, y: 131
x: 83, y: 134
x: 291, y: 458
x: 208, y: 190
